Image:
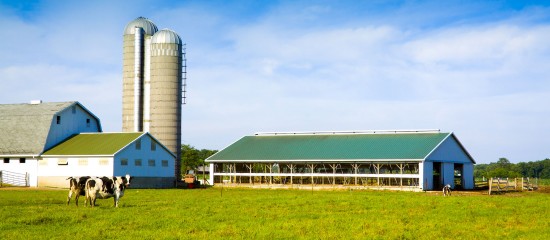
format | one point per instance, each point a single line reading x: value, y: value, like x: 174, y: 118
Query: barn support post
x: 333, y: 166
x: 312, y: 166
x: 270, y: 167
x: 249, y: 166
x: 355, y: 167
x: 400, y: 166
x: 377, y: 168
x: 291, y: 166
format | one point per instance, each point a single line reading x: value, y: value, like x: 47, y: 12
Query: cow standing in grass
x: 447, y: 190
x: 76, y: 187
x: 106, y: 187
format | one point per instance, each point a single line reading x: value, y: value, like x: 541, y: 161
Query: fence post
x: 490, y: 183
x: 1, y: 179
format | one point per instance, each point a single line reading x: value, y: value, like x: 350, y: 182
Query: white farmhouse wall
x: 73, y: 120
x: 131, y: 155
x: 29, y: 167
x: 76, y: 166
x: 54, y: 171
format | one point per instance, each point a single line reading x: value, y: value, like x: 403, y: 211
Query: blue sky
x: 478, y: 69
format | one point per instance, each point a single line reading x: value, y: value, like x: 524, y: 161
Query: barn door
x: 437, y: 176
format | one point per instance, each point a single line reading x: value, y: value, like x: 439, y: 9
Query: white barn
x: 150, y: 163
x: 407, y: 160
x: 27, y: 130
x: 44, y: 143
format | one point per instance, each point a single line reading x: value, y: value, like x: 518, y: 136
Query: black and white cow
x: 106, y: 187
x: 76, y: 187
x: 447, y: 190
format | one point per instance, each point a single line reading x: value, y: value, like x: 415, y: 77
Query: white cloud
x: 283, y: 71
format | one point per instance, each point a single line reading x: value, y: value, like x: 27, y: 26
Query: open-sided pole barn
x: 413, y: 160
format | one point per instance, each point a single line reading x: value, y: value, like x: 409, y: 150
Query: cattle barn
x: 403, y: 160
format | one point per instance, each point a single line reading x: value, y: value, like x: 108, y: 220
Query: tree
x: 191, y: 158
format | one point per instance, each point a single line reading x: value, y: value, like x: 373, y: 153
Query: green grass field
x: 232, y: 213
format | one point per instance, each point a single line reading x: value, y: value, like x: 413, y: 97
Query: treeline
x: 191, y: 158
x: 503, y: 168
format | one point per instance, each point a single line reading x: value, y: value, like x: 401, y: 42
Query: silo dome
x: 166, y: 36
x: 149, y: 27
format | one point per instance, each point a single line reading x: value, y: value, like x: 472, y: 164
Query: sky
x: 480, y: 69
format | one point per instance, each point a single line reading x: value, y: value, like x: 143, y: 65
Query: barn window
x: 73, y: 109
x: 6, y: 160
x: 151, y: 162
x: 153, y: 145
x: 137, y: 162
x: 138, y: 144
x: 83, y: 162
x: 58, y: 119
x: 103, y: 162
x: 22, y: 160
x: 87, y: 122
x: 165, y: 163
x: 62, y: 161
x: 123, y: 162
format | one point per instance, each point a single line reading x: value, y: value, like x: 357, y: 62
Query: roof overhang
x: 317, y: 160
x: 74, y: 156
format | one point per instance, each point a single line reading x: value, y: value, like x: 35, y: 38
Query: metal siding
x: 449, y: 151
x: 448, y: 171
x: 428, y: 176
x: 71, y: 124
x: 468, y: 176
x: 319, y: 147
x: 145, y: 153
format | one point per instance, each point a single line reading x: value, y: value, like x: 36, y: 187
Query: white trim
x: 350, y: 132
x: 319, y: 175
x: 319, y: 160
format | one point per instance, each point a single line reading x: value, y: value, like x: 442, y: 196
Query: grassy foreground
x: 217, y: 213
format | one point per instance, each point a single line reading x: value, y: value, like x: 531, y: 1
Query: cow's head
x: 122, y: 183
x: 126, y: 180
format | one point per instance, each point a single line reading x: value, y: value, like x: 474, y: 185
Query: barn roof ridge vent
x: 348, y: 132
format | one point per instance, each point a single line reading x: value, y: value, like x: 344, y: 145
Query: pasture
x: 233, y: 213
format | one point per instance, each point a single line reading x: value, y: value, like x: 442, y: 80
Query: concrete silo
x: 137, y: 39
x: 152, y: 84
x: 164, y: 118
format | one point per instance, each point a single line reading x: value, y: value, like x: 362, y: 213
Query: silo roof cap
x: 149, y: 27
x: 166, y: 36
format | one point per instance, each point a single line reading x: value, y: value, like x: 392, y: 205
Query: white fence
x: 8, y: 178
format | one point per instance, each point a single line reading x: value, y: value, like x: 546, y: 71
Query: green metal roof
x: 406, y: 146
x: 93, y: 144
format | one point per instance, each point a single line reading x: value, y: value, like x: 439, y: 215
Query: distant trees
x: 504, y: 168
x: 192, y: 158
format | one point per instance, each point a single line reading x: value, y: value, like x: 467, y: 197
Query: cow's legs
x: 76, y: 198
x: 69, y: 197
